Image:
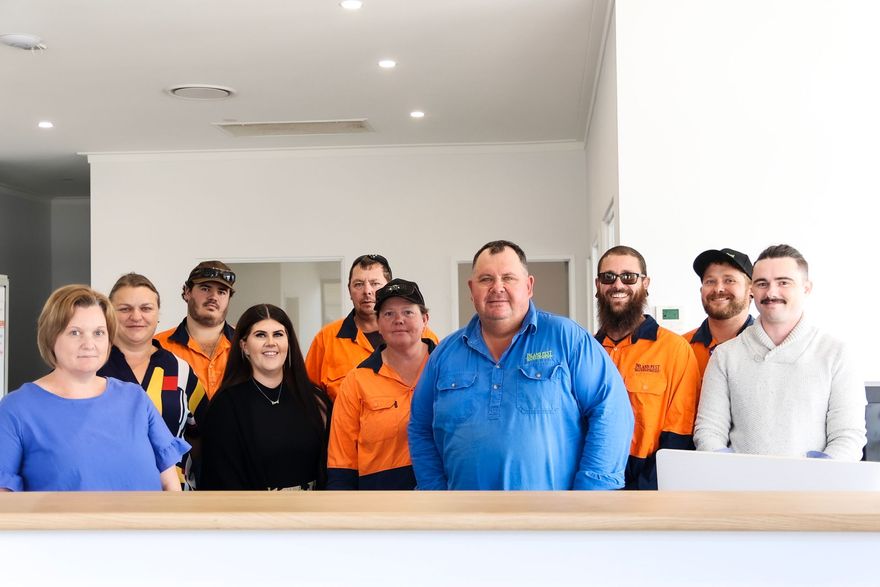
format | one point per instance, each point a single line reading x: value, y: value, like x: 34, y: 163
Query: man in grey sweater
x: 782, y: 387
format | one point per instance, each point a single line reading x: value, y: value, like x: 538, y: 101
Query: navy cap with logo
x: 399, y: 288
x: 726, y: 256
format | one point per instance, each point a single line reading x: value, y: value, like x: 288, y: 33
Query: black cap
x: 727, y: 256
x: 399, y: 288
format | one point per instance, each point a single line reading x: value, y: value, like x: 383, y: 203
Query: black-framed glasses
x: 212, y: 273
x: 626, y: 278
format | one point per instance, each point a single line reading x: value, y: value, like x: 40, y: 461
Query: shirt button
x: 538, y: 375
x: 453, y: 385
x: 497, y: 366
x: 495, y: 386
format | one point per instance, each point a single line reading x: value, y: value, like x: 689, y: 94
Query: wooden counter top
x: 583, y: 511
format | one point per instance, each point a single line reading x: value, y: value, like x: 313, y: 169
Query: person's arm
x: 342, y: 454
x: 426, y: 459
x: 677, y: 430
x: 167, y: 449
x: 845, y: 421
x: 605, y: 407
x: 11, y: 453
x: 315, y: 361
x: 712, y: 427
x: 224, y: 463
x: 169, y: 479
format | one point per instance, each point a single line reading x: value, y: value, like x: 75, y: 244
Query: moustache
x: 772, y: 300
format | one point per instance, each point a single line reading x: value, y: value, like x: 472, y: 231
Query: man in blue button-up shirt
x: 519, y: 398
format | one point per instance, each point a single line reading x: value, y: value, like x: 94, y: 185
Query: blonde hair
x: 58, y: 311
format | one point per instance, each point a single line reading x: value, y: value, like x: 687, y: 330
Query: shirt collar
x: 348, y: 329
x: 181, y: 335
x: 374, y: 361
x: 647, y: 330
x: 704, y: 336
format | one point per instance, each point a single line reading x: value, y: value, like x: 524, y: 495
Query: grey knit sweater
x: 803, y: 395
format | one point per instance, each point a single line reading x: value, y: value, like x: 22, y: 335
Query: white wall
x: 750, y: 123
x: 601, y: 152
x: 423, y: 208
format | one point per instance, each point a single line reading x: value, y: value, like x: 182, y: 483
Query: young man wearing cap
x: 726, y: 278
x: 203, y: 338
x: 340, y: 346
x: 658, y: 366
x: 368, y: 443
x: 518, y: 398
x: 782, y: 387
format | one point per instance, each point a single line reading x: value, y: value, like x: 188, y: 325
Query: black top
x: 248, y: 443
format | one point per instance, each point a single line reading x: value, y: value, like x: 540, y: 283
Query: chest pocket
x: 455, y: 398
x: 381, y: 419
x: 646, y: 389
x: 538, y: 389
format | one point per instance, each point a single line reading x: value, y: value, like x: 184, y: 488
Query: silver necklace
x: 263, y: 393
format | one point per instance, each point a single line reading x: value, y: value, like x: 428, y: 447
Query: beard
x: 624, y: 319
x: 204, y: 318
x: 733, y: 308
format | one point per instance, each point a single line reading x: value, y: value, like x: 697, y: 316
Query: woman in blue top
x: 74, y: 430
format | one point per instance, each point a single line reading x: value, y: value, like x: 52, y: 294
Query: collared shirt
x: 368, y: 443
x: 170, y: 383
x: 209, y: 370
x: 704, y: 344
x: 338, y: 348
x: 662, y: 379
x: 550, y: 413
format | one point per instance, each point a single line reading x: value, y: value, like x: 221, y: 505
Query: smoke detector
x: 200, y: 92
x: 23, y: 41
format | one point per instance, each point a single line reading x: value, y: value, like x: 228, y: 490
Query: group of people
x: 517, y: 399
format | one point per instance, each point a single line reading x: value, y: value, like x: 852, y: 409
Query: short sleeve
x: 167, y: 449
x: 11, y: 451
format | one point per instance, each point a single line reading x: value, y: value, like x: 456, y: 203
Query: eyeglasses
x: 626, y: 278
x: 212, y: 273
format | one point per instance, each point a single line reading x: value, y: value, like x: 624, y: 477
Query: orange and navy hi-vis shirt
x: 209, y: 370
x: 338, y: 348
x: 368, y: 437
x: 662, y: 379
x: 704, y: 345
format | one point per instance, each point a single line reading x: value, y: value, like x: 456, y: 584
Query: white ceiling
x: 484, y: 71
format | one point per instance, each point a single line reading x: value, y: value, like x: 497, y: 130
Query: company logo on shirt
x: 539, y: 355
x: 640, y: 368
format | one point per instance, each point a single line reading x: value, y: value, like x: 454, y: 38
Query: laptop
x: 688, y: 470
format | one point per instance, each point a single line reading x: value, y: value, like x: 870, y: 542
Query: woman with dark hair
x: 267, y: 426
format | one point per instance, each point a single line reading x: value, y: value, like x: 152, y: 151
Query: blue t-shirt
x: 113, y: 442
x: 552, y: 413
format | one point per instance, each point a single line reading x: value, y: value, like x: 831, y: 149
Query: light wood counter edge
x: 464, y: 511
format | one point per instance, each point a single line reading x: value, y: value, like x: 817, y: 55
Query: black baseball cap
x: 399, y: 288
x: 727, y: 256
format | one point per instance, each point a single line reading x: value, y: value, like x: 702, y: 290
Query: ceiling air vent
x: 283, y: 129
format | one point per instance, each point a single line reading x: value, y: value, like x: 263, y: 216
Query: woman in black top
x: 267, y: 426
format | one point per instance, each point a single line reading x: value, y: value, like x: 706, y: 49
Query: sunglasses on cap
x: 399, y: 289
x: 372, y: 258
x: 626, y: 278
x: 212, y: 273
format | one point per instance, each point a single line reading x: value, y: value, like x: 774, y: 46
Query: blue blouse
x: 113, y: 442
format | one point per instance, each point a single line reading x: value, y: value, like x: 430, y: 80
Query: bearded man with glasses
x: 658, y: 366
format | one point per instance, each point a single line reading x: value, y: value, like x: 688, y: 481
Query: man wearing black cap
x: 203, y: 338
x: 340, y: 346
x: 726, y: 277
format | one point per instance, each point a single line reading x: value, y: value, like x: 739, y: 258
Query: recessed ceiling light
x: 351, y: 4
x: 417, y: 114
x: 388, y: 64
x: 200, y: 92
x: 45, y: 124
